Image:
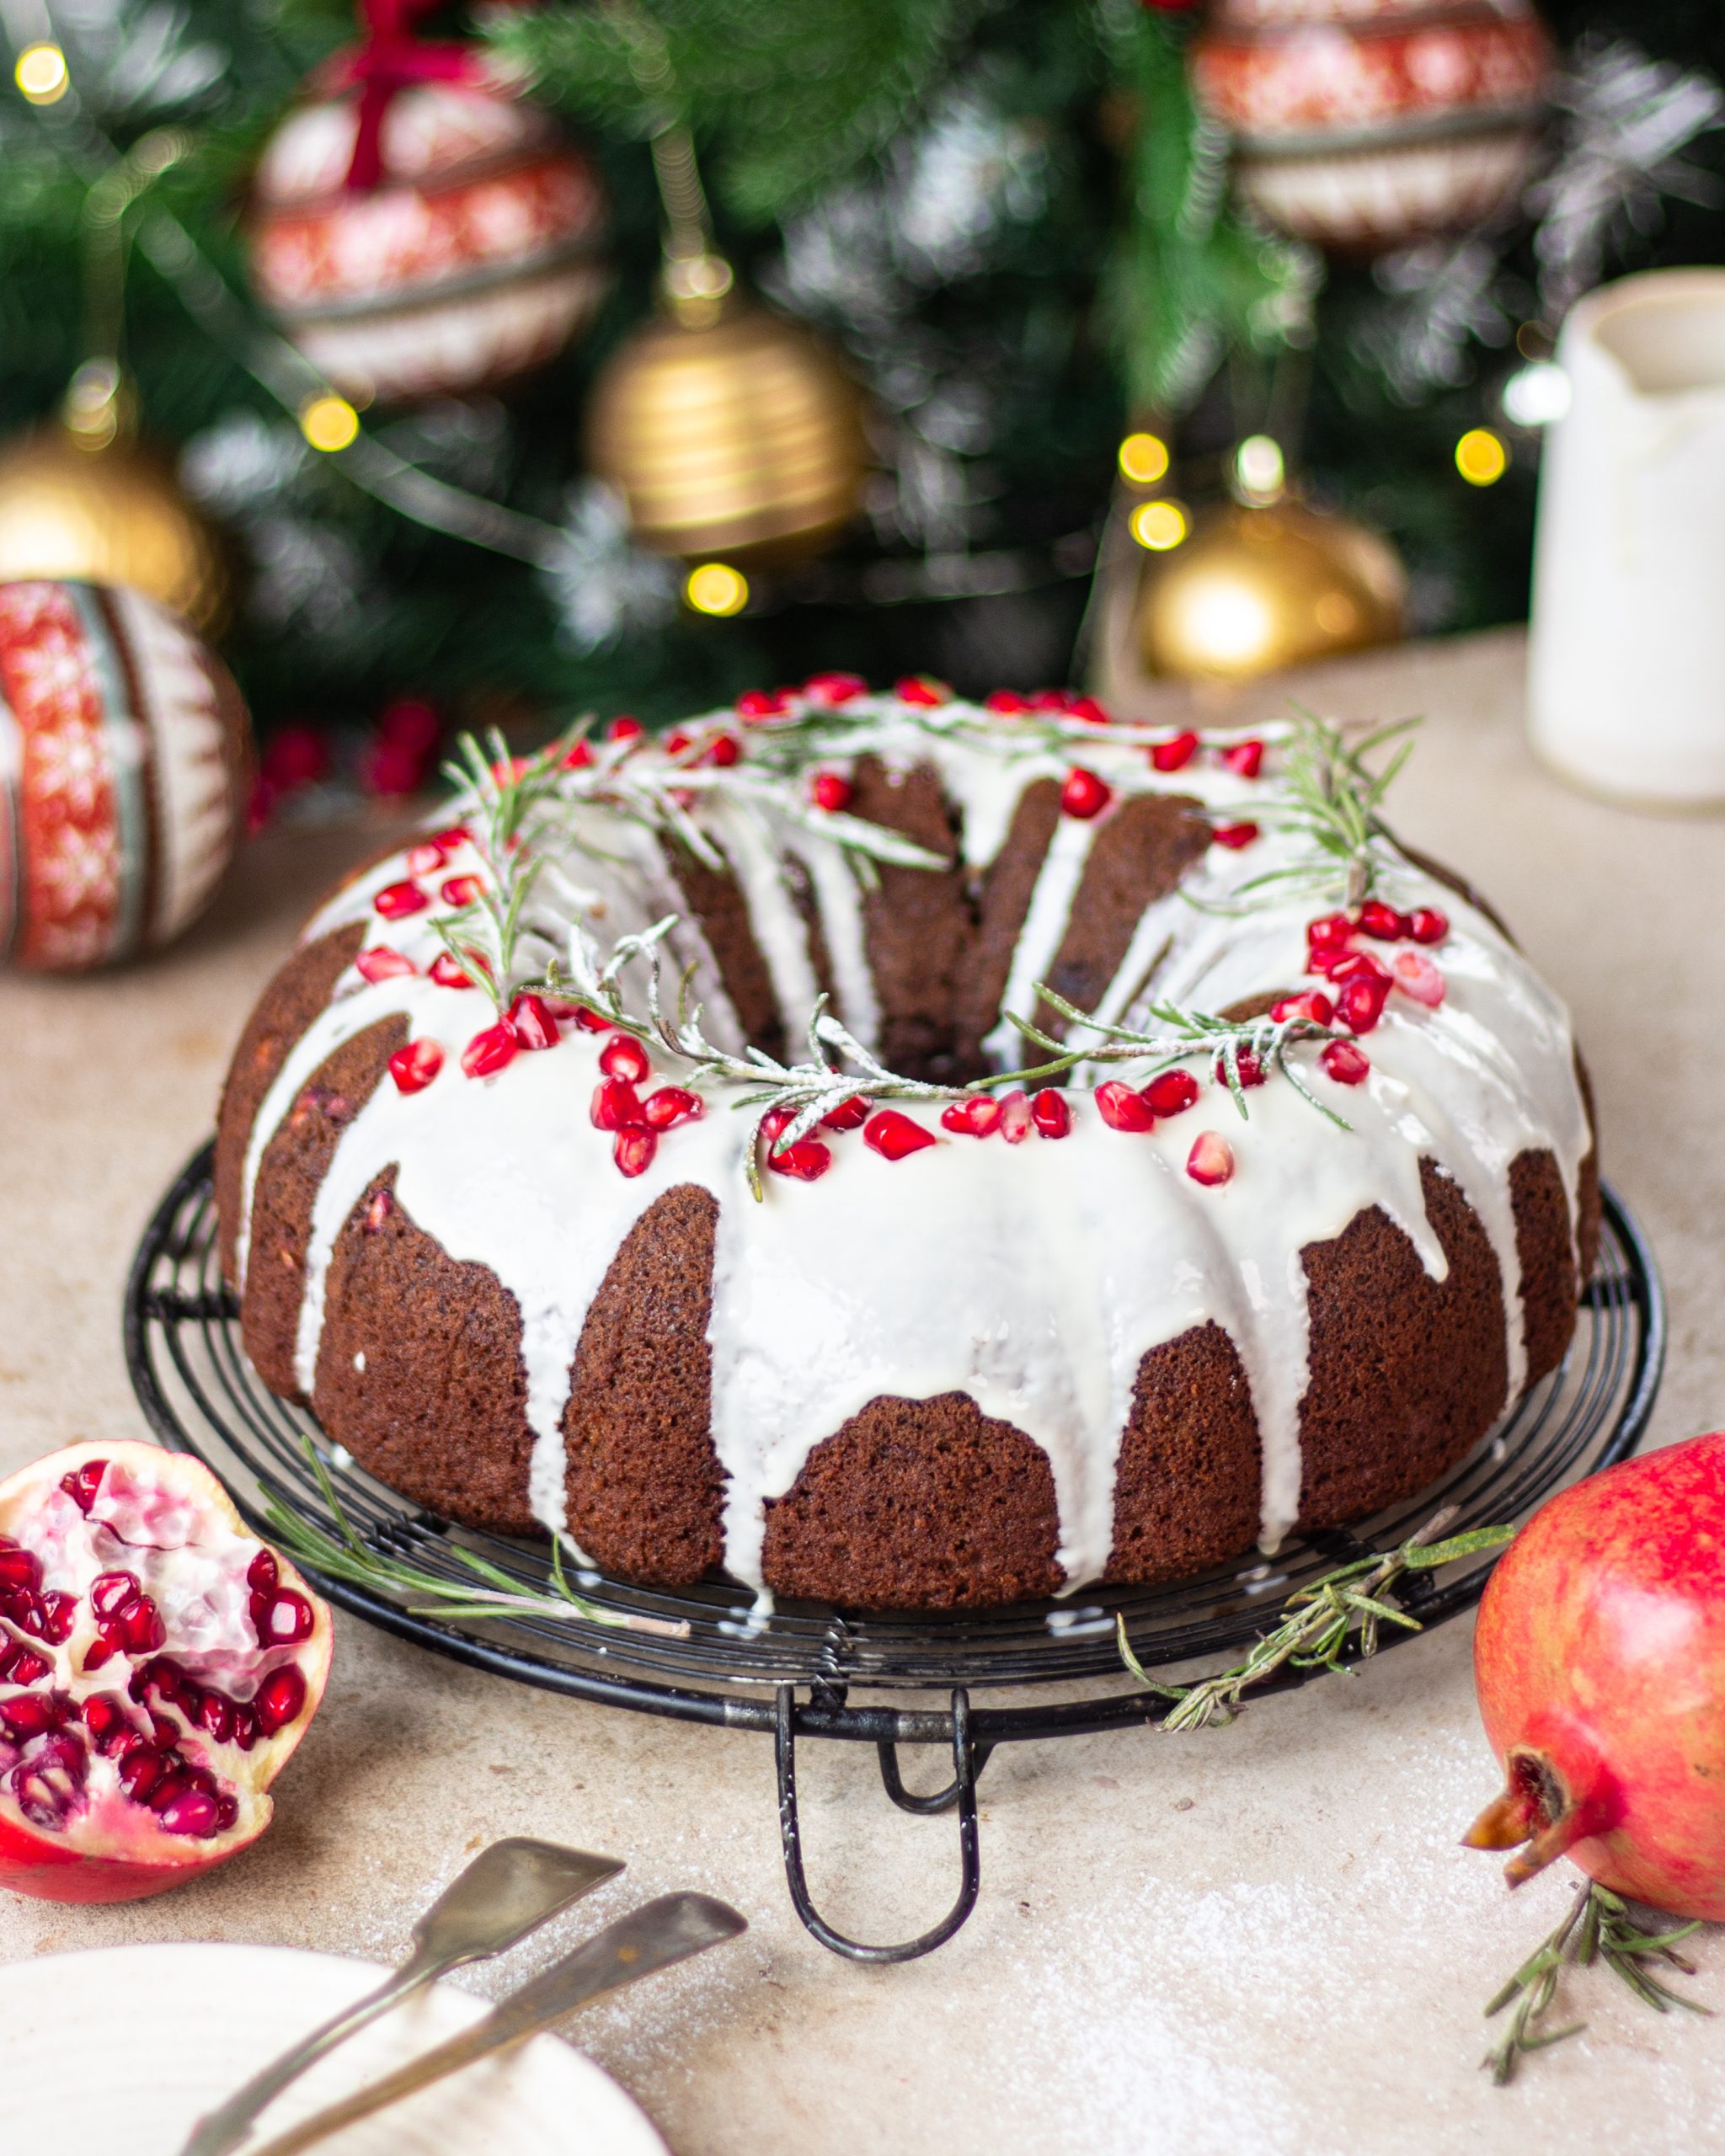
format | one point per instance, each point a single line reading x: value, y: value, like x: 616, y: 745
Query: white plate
x: 123, y: 2048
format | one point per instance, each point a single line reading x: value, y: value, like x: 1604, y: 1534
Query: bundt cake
x: 643, y: 1154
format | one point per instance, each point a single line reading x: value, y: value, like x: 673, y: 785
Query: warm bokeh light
x: 1259, y: 468
x: 329, y: 421
x: 1159, y: 525
x: 716, y: 588
x: 41, y: 73
x: 1229, y: 624
x: 1481, y: 457
x: 1144, y: 459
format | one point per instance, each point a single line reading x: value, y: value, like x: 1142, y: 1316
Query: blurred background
x: 455, y: 365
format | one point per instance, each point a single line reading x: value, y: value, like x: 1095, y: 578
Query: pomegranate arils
x: 832, y: 689
x: 848, y: 1115
x: 633, y: 1150
x: 25, y: 1666
x: 1331, y: 931
x: 1381, y: 921
x: 1312, y: 1005
x: 916, y: 690
x: 279, y: 1699
x: 111, y: 1592
x: 190, y: 1812
x: 263, y: 1572
x: 288, y: 1619
x: 974, y: 1117
x: 724, y: 749
x: 460, y: 890
x: 425, y: 860
x: 762, y: 703
x: 1234, y: 836
x: 617, y: 1106
x: 34, y: 1714
x: 1359, y: 1004
x: 1344, y: 1063
x: 1170, y: 1092
x: 1084, y: 794
x: 141, y: 1627
x: 623, y: 1057
x: 1051, y: 1113
x: 1418, y: 977
x: 670, y: 1106
x: 380, y: 962
x: 1249, y: 1068
x: 1211, y: 1160
x: 414, y: 1066
x: 830, y: 790
x: 623, y: 728
x: 894, y: 1136
x: 448, y: 973
x: 1015, y: 1117
x: 1122, y: 1109
x: 1173, y: 755
x: 1426, y: 925
x: 83, y: 1483
x: 396, y: 901
x: 1007, y: 702
x: 806, y: 1162
x: 1245, y: 759
x: 20, y: 1568
x: 535, y: 1027
x: 488, y: 1052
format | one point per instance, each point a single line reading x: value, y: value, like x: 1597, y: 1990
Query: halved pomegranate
x: 158, y: 1665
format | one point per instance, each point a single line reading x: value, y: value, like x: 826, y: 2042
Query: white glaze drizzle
x: 1033, y: 1279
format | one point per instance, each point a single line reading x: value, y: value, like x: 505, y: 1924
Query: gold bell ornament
x: 731, y: 433
x: 80, y: 498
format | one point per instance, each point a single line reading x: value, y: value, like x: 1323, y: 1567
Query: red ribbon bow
x: 390, y: 58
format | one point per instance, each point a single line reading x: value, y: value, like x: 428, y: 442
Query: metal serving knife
x: 508, y: 1890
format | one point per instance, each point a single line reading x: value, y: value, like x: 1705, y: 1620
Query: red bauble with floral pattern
x: 125, y: 766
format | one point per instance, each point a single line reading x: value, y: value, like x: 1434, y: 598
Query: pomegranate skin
x: 1600, y: 1662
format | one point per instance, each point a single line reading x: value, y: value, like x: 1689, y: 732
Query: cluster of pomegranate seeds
x: 830, y: 790
x: 1362, y: 981
x: 806, y: 1162
x: 975, y: 1116
x: 1169, y: 1093
x: 1084, y: 794
x: 634, y: 1124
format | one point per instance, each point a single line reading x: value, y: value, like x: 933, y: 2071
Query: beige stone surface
x: 1263, y: 1938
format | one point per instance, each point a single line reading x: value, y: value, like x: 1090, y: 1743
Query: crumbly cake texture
x: 927, y: 1336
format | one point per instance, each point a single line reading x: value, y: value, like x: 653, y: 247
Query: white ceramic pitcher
x: 1626, y: 672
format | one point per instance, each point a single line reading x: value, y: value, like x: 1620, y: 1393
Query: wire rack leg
x: 966, y: 1765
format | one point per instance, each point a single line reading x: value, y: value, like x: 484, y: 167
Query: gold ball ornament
x: 732, y: 433
x: 1258, y: 588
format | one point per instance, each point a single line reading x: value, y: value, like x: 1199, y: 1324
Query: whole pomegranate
x: 1599, y: 1661
x: 158, y: 1667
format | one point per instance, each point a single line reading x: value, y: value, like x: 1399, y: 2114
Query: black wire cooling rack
x: 711, y: 1657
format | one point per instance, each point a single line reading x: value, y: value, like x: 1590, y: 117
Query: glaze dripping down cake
x: 639, y: 1155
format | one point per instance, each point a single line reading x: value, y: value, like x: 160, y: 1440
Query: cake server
x: 508, y: 1890
x: 646, y: 1940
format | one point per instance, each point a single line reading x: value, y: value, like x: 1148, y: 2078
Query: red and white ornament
x: 124, y: 770
x: 1364, y: 125
x: 473, y: 254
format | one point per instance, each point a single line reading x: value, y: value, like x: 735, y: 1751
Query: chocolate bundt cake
x: 644, y: 1157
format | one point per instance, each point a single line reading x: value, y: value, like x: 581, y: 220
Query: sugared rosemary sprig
x: 1599, y: 1927
x: 1319, y: 1621
x: 1184, y: 1037
x: 344, y: 1556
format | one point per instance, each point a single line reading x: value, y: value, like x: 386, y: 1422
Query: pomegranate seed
x: 1330, y: 932
x: 380, y: 962
x: 396, y: 901
x: 617, y: 1106
x: 724, y: 749
x: 1234, y: 836
x: 28, y: 1667
x: 830, y: 790
x: 141, y: 1631
x: 287, y: 1621
x: 378, y: 1211
x: 1122, y: 1109
x: 32, y: 1714
x: 425, y: 860
x: 535, y: 1027
x: 447, y: 974
x: 1089, y: 710
x: 1360, y: 1003
x: 216, y: 1717
x: 103, y: 1717
x: 1055, y: 699
x: 1173, y: 755
x: 83, y: 1483
x: 1418, y: 977
x: 460, y: 890
x: 279, y: 1699
x: 111, y: 1592
x: 194, y: 1811
x: 623, y: 728
x: 578, y: 757
x: 623, y: 1057
x: 1015, y: 1117
x: 1344, y: 1063
x: 140, y: 1774
x: 1172, y: 1092
x: 1313, y: 1006
x: 633, y: 1150
x: 1051, y: 1113
x: 96, y: 1654
x: 1247, y: 1068
x: 1381, y: 921
x: 894, y: 1136
x: 20, y: 1567
x: 915, y: 689
x: 760, y: 703
x: 414, y: 1066
x: 671, y: 1105
x: 263, y: 1572
x: 168, y: 1790
x: 589, y: 1022
x: 1084, y: 795
x: 489, y: 1051
x: 245, y: 1728
x: 832, y: 689
x: 450, y: 839
x: 676, y: 742
x: 848, y: 1115
x: 1007, y: 702
x: 1211, y: 1160
x: 1426, y: 925
x: 1354, y: 964
x: 806, y: 1162
x: 972, y: 1117
x: 1245, y: 759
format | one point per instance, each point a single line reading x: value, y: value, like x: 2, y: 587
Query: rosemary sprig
x: 344, y: 1556
x: 498, y: 792
x: 1184, y: 1036
x: 1317, y: 1628
x: 1599, y: 1927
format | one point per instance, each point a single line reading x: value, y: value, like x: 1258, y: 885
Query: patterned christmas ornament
x: 1255, y: 589
x: 125, y: 767
x: 417, y: 231
x: 1363, y: 124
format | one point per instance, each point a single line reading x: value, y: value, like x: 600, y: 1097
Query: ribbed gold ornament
x: 1257, y: 588
x: 111, y: 512
x: 732, y: 433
